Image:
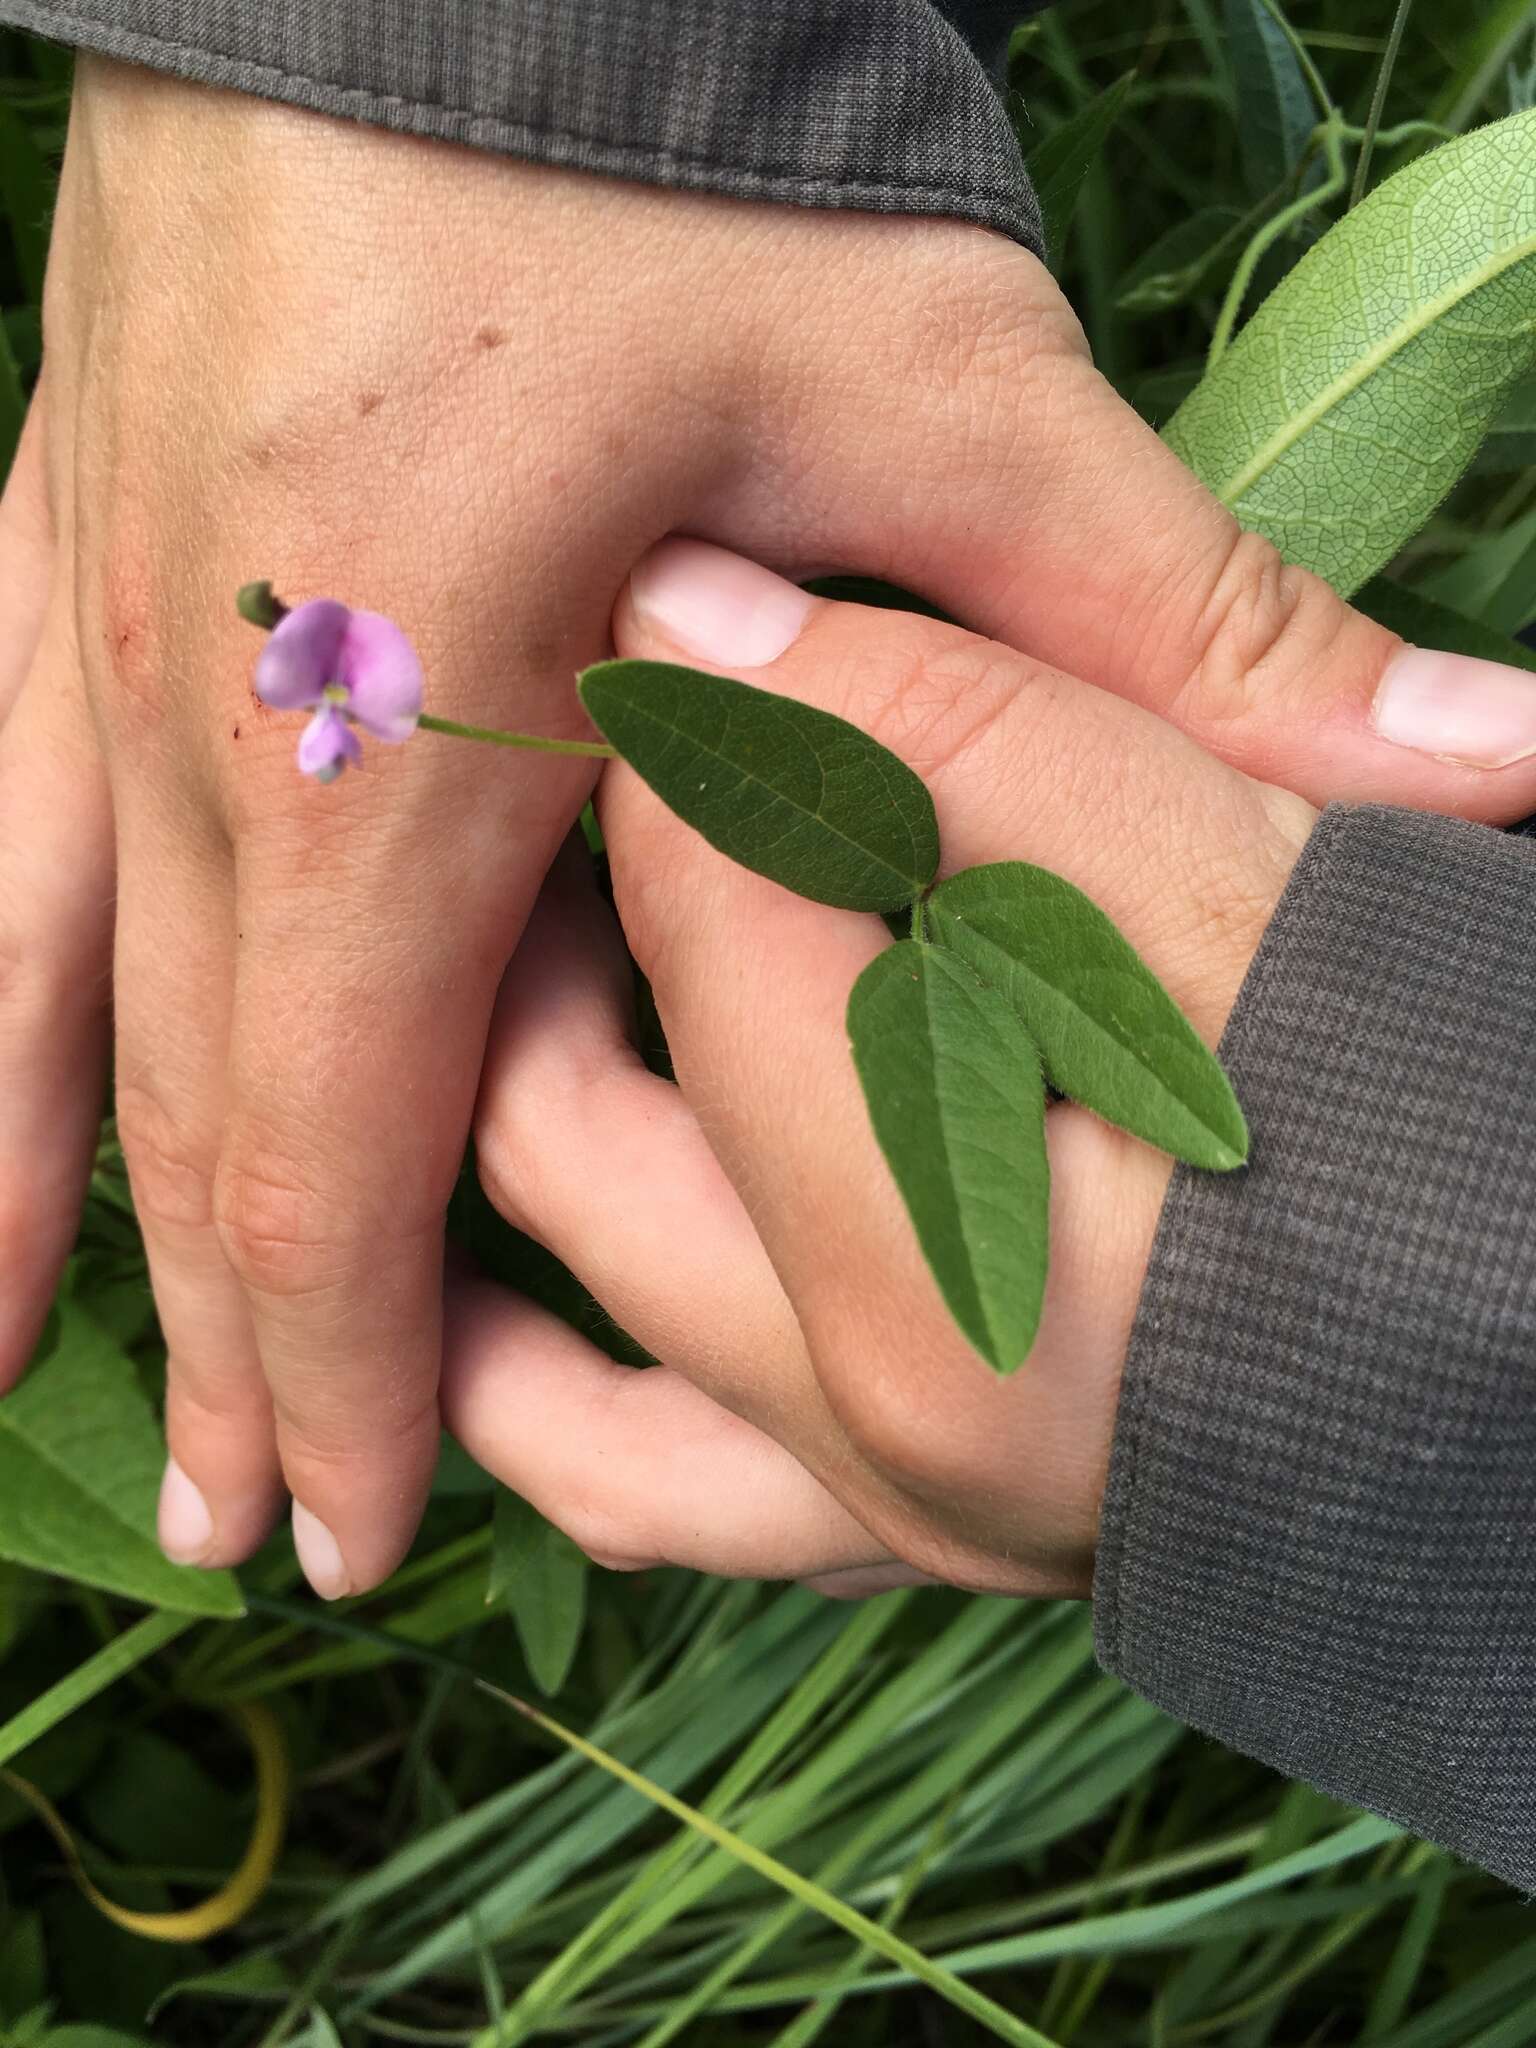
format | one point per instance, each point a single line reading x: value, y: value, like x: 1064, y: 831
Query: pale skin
x: 474, y: 393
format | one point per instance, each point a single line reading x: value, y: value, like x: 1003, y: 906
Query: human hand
x: 817, y: 1414
x: 403, y: 373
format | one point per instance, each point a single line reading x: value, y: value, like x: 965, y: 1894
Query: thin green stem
x: 1270, y: 233
x: 919, y: 921
x: 988, y: 2014
x: 1378, y: 101
x: 532, y: 742
x: 1303, y: 56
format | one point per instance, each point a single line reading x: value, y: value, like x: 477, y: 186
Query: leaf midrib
x: 1086, y: 1017
x: 1284, y: 438
x: 980, y: 1293
x: 778, y: 796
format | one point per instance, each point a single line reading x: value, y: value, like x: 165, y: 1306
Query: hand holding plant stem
x: 1010, y: 978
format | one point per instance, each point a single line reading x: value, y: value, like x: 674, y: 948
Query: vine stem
x: 1331, y: 135
x: 1379, y: 100
x: 533, y: 742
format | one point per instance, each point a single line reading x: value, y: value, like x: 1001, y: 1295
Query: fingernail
x: 319, y: 1554
x: 716, y: 605
x: 1457, y: 707
x: 184, y: 1523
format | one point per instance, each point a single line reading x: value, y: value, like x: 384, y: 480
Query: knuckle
x: 169, y: 1168
x: 1259, y: 621
x: 277, y: 1234
x: 903, y: 1420
x: 327, y: 1433
x: 983, y: 314
x: 939, y: 704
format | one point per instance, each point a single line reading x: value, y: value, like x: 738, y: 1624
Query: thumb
x: 1011, y: 485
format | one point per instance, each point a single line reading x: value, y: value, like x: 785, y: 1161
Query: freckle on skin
x: 367, y: 402
x: 489, y: 337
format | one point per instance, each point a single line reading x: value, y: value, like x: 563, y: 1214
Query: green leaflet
x: 1275, y: 109
x: 542, y: 1576
x: 1492, y: 583
x: 1427, y: 622
x: 1059, y: 164
x: 1359, y: 391
x: 797, y: 795
x: 1110, y: 1035
x: 80, y: 1464
x: 955, y: 1094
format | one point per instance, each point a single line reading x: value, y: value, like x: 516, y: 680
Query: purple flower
x: 350, y: 668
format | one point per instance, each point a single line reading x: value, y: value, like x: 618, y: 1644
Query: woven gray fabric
x: 1317, y: 1539
x: 874, y: 104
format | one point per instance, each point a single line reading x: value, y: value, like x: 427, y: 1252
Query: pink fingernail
x: 717, y: 606
x: 319, y: 1554
x: 184, y: 1523
x: 1481, y: 714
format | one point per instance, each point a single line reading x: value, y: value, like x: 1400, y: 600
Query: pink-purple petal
x: 383, y: 676
x: 327, y: 744
x: 302, y: 655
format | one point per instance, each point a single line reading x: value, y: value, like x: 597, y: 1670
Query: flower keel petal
x: 327, y: 744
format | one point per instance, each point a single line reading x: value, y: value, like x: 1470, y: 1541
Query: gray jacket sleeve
x: 1319, y: 1538
x: 881, y: 105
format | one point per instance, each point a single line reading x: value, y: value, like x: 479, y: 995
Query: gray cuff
x: 1319, y: 1535
x: 873, y: 104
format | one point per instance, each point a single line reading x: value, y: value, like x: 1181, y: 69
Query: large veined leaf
x: 1511, y: 442
x: 1358, y: 393
x: 1111, y: 1036
x: 80, y: 1464
x: 785, y: 789
x: 955, y: 1094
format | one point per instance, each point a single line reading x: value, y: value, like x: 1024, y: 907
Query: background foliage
x: 955, y: 1769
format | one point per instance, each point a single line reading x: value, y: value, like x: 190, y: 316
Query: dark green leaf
x: 1111, y: 1036
x: 1494, y: 581
x: 542, y: 1576
x: 1427, y: 623
x: 80, y: 1463
x: 26, y: 199
x: 956, y: 1097
x: 1275, y: 110
x: 1190, y: 255
x: 789, y: 791
x: 1059, y: 164
x: 1511, y: 440
x: 13, y: 403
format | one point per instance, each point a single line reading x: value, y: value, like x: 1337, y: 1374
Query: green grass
x: 1065, y: 1862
